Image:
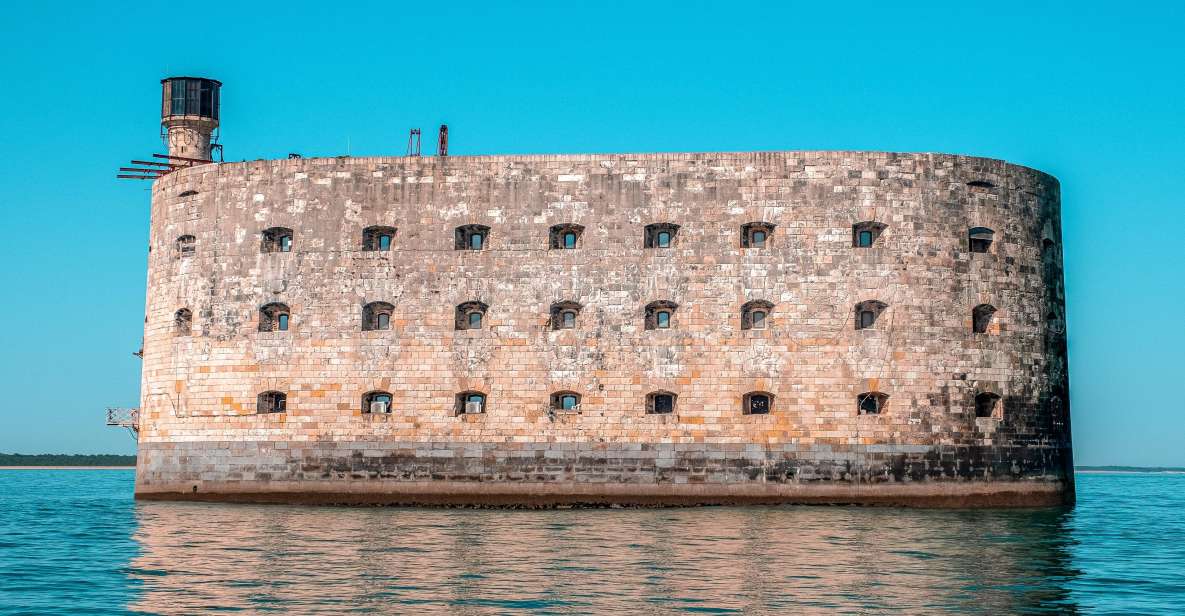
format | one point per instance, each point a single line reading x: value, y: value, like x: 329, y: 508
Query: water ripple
x: 73, y: 542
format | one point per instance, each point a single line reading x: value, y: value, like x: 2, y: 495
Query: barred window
x: 471, y: 237
x: 660, y: 235
x: 276, y: 239
x: 376, y: 402
x: 660, y: 314
x: 272, y: 402
x: 377, y: 316
x: 377, y: 239
x: 470, y: 315
x: 756, y: 234
x: 565, y: 237
x: 273, y: 317
x: 758, y: 403
x: 865, y: 234
x: 871, y: 403
x: 755, y: 314
x: 660, y: 403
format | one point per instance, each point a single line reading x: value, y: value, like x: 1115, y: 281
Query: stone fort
x: 625, y: 329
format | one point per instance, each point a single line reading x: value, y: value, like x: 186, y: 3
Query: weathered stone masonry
x: 201, y: 435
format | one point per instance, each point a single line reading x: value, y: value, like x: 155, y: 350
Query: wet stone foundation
x: 637, y: 474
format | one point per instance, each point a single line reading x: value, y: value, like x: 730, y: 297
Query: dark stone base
x: 598, y: 474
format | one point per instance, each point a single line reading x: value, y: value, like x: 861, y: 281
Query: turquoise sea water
x: 74, y: 542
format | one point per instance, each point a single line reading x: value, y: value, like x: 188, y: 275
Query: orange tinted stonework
x: 201, y: 436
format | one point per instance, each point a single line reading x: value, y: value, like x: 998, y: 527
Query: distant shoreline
x: 1170, y: 470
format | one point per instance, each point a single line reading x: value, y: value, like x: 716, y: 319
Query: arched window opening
x: 274, y: 317
x: 756, y: 234
x: 377, y: 239
x: 867, y: 313
x: 660, y: 235
x: 660, y: 403
x: 564, y: 315
x: 565, y: 402
x: 987, y: 404
x: 276, y: 239
x: 188, y: 193
x: 183, y: 322
x: 758, y: 403
x: 660, y: 314
x: 981, y: 186
x: 565, y: 237
x: 755, y: 314
x: 470, y: 402
x: 980, y: 239
x: 472, y: 237
x: 376, y: 402
x: 470, y: 315
x: 981, y: 318
x: 871, y: 403
x: 865, y: 234
x: 186, y: 246
x: 377, y: 316
x: 272, y: 402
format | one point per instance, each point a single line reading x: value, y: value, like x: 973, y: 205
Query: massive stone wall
x: 201, y: 435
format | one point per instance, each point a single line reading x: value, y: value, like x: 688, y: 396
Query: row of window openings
x: 659, y: 315
x: 980, y: 186
x: 567, y: 237
x: 987, y: 404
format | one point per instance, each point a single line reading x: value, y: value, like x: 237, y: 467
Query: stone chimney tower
x: 189, y: 115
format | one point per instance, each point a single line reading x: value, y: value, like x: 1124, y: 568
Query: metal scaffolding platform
x: 124, y: 418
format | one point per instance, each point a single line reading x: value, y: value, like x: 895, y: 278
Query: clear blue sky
x: 1090, y: 92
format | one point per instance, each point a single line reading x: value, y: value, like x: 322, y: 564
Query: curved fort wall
x: 202, y: 435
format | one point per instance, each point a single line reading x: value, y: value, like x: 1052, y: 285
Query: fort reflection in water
x: 199, y: 557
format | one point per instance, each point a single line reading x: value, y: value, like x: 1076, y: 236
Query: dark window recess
x: 470, y: 402
x: 376, y: 402
x: 982, y: 186
x: 758, y: 403
x: 755, y: 314
x: 183, y: 321
x: 471, y: 237
x: 565, y: 237
x: 188, y: 193
x: 377, y: 239
x: 186, y: 246
x: 865, y: 234
x: 272, y: 402
x: 564, y: 315
x: 276, y: 239
x: 470, y: 315
x: 660, y: 403
x: 377, y: 316
x: 756, y: 234
x: 987, y: 404
x: 660, y: 235
x: 981, y: 318
x: 273, y: 317
x: 867, y: 313
x: 660, y: 314
x: 565, y: 401
x: 980, y: 239
x: 871, y: 403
